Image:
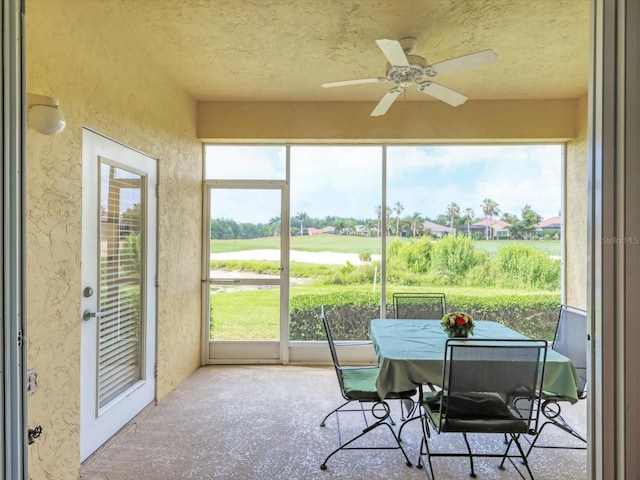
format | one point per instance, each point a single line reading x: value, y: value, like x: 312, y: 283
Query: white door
x: 118, y: 311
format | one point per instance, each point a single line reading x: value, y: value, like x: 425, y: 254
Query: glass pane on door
x: 121, y: 281
x: 245, y: 264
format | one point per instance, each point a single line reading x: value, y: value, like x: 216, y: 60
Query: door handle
x: 88, y: 314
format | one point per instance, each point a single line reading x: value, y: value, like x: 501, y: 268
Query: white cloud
x: 346, y: 180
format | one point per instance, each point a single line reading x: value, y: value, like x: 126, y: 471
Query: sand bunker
x: 322, y: 258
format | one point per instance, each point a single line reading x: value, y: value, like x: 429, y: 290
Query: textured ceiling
x: 283, y: 50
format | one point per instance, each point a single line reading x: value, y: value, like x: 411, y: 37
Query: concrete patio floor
x: 262, y: 422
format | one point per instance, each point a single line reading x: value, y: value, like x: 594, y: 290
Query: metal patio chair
x: 570, y: 339
x: 419, y: 305
x: 358, y: 384
x: 488, y: 386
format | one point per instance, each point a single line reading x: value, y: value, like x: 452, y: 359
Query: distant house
x: 361, y: 230
x: 318, y: 231
x: 551, y: 225
x: 497, y: 228
x: 437, y: 230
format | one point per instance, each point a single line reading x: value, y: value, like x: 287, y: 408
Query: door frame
x: 13, y: 361
x: 265, y: 351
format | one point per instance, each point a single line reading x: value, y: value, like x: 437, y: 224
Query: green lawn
x: 255, y: 314
x: 358, y: 244
x: 552, y: 247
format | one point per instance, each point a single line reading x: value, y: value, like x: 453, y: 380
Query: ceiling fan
x: 405, y: 69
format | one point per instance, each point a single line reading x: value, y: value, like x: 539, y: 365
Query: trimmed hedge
x: 533, y: 315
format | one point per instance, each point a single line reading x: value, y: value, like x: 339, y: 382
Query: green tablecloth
x: 411, y: 352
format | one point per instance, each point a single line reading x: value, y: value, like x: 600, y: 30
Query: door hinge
x: 20, y: 338
x: 157, y: 281
x: 34, y: 433
x: 155, y: 370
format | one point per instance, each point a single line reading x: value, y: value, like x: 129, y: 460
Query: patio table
x: 411, y: 352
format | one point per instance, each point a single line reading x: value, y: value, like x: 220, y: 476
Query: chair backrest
x: 419, y: 305
x: 493, y: 381
x: 332, y: 346
x: 570, y: 339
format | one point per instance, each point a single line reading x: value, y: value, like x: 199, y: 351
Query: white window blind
x: 121, y: 294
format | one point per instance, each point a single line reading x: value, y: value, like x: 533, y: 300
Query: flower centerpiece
x: 457, y: 324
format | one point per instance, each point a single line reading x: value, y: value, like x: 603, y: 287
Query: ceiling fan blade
x: 394, y: 52
x: 343, y: 83
x: 485, y: 57
x: 444, y: 94
x: 387, y: 100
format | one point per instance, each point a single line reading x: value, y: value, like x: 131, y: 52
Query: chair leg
x: 514, y: 440
x: 365, y: 431
x: 562, y: 425
x: 426, y: 434
x: 552, y: 411
x: 466, y: 440
x: 381, y: 421
x: 417, y: 417
x: 324, y: 420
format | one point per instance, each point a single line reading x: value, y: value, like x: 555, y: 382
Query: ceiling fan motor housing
x: 411, y: 74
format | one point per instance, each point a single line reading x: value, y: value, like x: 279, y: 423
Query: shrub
x: 348, y: 268
x: 520, y: 266
x: 417, y: 254
x: 533, y: 315
x: 483, y: 273
x: 453, y: 256
x: 365, y: 256
x: 393, y: 249
x: 348, y: 312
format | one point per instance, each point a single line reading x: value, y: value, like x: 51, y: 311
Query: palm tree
x: 378, y: 211
x: 529, y: 218
x: 489, y: 209
x: 301, y: 217
x: 453, y: 211
x: 415, y: 220
x: 398, y: 208
x: 274, y: 225
x: 468, y: 216
x: 371, y: 225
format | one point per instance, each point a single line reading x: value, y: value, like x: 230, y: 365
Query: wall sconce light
x: 44, y: 114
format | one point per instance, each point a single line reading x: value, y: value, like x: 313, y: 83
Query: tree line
x: 521, y: 227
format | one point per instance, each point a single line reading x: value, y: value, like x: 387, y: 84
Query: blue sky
x: 346, y: 180
x: 511, y: 176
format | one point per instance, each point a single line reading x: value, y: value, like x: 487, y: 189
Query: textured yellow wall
x: 76, y: 55
x: 495, y: 121
x: 575, y: 211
